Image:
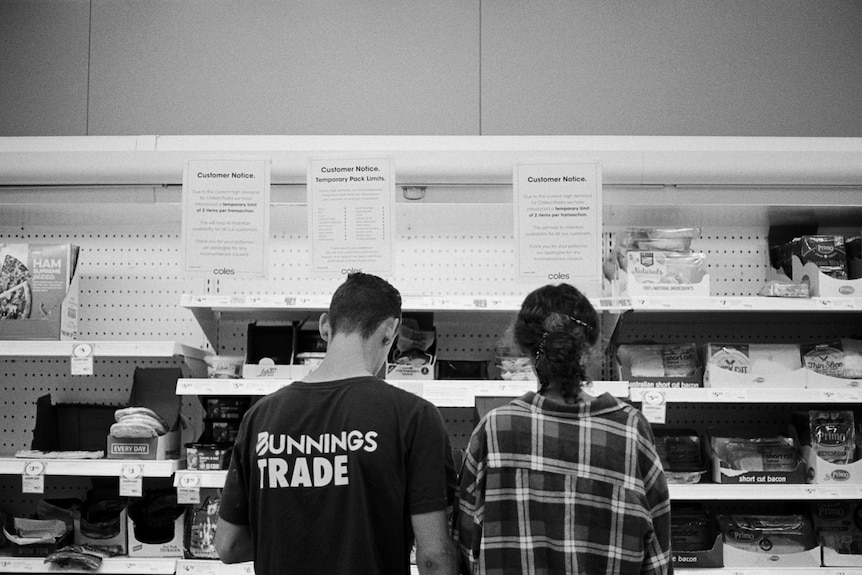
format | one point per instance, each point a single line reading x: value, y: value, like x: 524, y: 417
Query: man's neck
x: 346, y: 357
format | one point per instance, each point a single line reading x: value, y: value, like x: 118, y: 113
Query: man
x: 337, y: 473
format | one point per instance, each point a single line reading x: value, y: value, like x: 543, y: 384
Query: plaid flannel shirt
x: 550, y: 488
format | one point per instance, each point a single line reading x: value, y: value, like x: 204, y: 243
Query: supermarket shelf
x: 766, y: 395
x: 737, y: 492
x: 117, y: 565
x: 92, y: 467
x: 214, y: 386
x: 298, y: 302
x: 462, y: 393
x: 302, y: 302
x: 18, y: 348
x: 678, y: 492
x: 731, y: 304
x: 442, y: 393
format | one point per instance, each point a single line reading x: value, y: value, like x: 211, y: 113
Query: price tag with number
x: 654, y: 406
x: 33, y: 478
x: 131, y: 480
x: 189, y: 488
x: 81, y: 362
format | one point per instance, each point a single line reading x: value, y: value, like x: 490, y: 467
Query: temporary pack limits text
x: 234, y: 175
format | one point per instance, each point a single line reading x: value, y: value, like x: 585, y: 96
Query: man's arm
x: 435, y: 551
x: 233, y: 542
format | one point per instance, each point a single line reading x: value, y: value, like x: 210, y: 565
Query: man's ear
x: 324, y: 327
x: 390, y: 330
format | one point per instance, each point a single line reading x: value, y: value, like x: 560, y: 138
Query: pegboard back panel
x: 737, y: 259
x: 25, y: 380
x: 130, y: 281
x: 736, y: 327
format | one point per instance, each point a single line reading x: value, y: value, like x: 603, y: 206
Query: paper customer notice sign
x: 226, y: 217
x: 558, y: 224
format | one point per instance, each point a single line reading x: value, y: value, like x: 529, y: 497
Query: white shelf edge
x: 63, y: 348
x: 737, y: 492
x: 764, y: 395
x: 92, y: 467
x: 463, y: 393
x: 217, y: 386
x: 678, y: 492
x: 442, y: 393
x: 486, y: 303
x: 112, y: 565
x: 213, y: 567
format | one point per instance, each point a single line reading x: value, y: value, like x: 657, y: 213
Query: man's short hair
x: 362, y: 303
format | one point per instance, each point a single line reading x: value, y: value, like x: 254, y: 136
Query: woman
x: 560, y: 481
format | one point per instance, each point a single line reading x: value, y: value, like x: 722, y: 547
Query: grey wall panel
x: 224, y: 67
x: 672, y: 67
x: 43, y: 68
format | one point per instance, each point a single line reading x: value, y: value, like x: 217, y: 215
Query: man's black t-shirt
x: 327, y: 474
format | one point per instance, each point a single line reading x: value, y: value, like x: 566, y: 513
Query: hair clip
x: 581, y: 323
x: 541, y: 349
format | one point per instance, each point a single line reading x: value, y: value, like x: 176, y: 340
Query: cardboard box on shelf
x: 837, y: 526
x: 753, y: 366
x: 41, y: 548
x: 38, y: 291
x: 823, y: 285
x: 71, y: 426
x: 724, y: 472
x: 814, y: 380
x: 154, y: 388
x: 739, y: 558
x: 414, y: 354
x: 709, y: 558
x: 722, y: 378
x: 120, y: 538
x: 168, y: 545
x: 780, y: 541
x: 670, y: 366
x: 821, y: 471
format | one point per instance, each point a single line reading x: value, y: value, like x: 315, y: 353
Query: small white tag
x: 654, y: 406
x: 33, y: 478
x: 131, y: 480
x: 189, y: 488
x: 81, y: 362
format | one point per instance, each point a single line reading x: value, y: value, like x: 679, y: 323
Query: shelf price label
x: 33, y: 478
x: 189, y: 488
x: 728, y: 395
x: 81, y: 360
x: 131, y: 480
x: 654, y: 406
x: 842, y: 395
x: 18, y: 566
